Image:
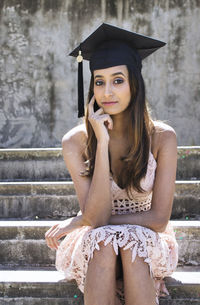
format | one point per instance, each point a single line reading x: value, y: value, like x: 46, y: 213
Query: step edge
x: 191, y: 278
x: 60, y: 148
x: 44, y: 223
x: 43, y: 183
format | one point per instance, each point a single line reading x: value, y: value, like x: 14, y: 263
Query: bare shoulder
x: 163, y: 130
x: 163, y: 137
x: 75, y: 137
x: 162, y: 127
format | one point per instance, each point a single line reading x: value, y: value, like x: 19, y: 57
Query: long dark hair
x: 141, y: 125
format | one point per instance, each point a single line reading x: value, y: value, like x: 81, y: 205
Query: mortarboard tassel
x: 80, y: 86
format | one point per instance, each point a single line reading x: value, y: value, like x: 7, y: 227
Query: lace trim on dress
x: 140, y: 240
x: 132, y: 237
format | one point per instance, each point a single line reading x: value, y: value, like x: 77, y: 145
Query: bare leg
x: 138, y: 285
x: 100, y: 283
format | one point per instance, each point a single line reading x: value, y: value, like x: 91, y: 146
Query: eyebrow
x: 116, y: 73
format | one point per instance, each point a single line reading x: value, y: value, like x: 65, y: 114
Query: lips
x: 109, y: 103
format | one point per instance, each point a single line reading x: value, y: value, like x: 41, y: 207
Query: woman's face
x: 112, y: 89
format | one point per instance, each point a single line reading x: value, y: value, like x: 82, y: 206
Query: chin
x: 113, y: 112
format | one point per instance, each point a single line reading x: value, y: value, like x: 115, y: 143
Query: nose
x: 108, y: 90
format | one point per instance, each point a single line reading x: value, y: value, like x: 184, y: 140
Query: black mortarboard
x: 110, y: 46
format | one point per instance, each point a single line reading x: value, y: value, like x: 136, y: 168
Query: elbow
x: 86, y: 221
x: 92, y: 222
x: 160, y: 225
x: 160, y: 228
x: 95, y: 219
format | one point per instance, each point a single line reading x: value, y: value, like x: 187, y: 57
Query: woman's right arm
x: 93, y: 193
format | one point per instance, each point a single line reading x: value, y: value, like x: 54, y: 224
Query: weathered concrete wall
x: 38, y: 80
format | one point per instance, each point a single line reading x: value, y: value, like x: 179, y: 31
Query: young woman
x: 123, y: 165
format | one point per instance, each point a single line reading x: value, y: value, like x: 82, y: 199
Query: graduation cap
x: 111, y: 46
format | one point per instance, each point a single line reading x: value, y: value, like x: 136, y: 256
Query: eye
x: 98, y: 82
x: 118, y: 81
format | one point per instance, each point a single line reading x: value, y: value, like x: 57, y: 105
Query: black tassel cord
x: 80, y: 90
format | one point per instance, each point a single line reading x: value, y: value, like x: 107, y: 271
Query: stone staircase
x: 36, y: 192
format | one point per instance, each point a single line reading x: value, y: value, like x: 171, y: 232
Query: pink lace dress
x: 159, y: 250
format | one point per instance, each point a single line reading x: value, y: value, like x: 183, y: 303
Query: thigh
x: 138, y: 284
x: 137, y: 266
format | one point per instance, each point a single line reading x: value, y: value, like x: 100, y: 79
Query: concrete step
x: 36, y: 200
x: 46, y: 301
x: 46, y: 287
x: 22, y: 243
x: 57, y: 200
x: 186, y: 200
x: 32, y: 164
x: 188, y: 166
x: 40, y: 164
x: 36, y: 284
x: 70, y: 301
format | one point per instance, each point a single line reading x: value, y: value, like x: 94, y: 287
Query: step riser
x: 188, y: 165
x: 39, y: 290
x: 33, y: 170
x: 179, y: 302
x: 38, y: 165
x: 54, y: 172
x: 189, y: 252
x: 32, y: 207
x: 33, y: 230
x: 183, y: 188
x: 185, y: 291
x: 65, y: 290
x: 59, y: 200
x: 44, y: 301
x: 26, y: 253
x: 36, y: 286
x: 187, y: 205
x: 37, y: 188
x: 75, y: 301
x: 60, y: 207
x: 36, y: 253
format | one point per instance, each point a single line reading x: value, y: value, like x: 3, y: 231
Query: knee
x: 105, y: 255
x: 106, y: 249
x: 126, y: 257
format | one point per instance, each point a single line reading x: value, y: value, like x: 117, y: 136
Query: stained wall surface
x: 38, y: 80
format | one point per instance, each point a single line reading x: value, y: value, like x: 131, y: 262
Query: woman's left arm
x: 163, y: 191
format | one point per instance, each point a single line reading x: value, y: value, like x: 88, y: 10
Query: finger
x: 99, y: 111
x: 55, y: 236
x: 107, y: 119
x: 55, y: 243
x: 109, y: 122
x: 91, y: 105
x: 52, y: 243
x: 48, y: 236
x: 50, y: 230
